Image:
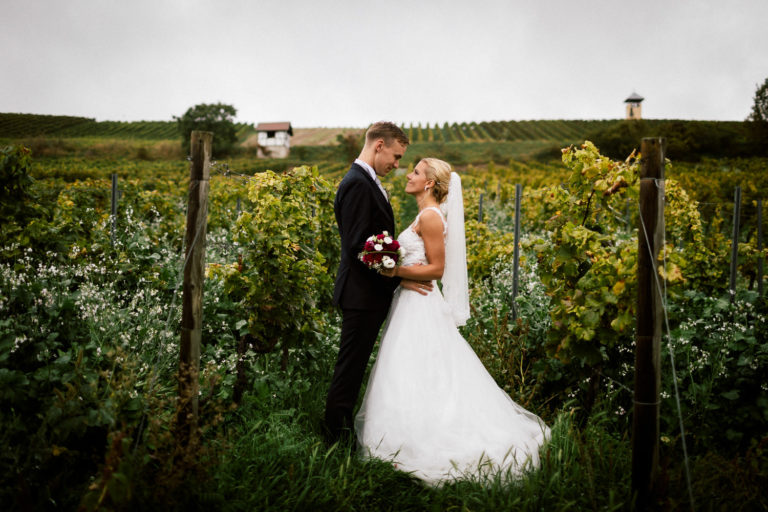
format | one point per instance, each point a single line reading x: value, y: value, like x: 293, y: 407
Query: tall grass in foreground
x: 278, y: 461
x: 88, y: 354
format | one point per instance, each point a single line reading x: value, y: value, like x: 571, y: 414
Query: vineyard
x: 90, y: 324
x: 34, y: 125
x: 541, y: 134
x: 23, y: 125
x: 503, y: 131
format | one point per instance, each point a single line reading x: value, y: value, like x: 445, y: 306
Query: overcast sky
x: 350, y: 62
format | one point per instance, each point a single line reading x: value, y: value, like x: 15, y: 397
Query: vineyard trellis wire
x: 164, y: 205
x: 663, y: 297
x: 223, y: 170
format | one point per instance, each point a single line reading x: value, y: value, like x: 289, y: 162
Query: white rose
x: 402, y: 252
x: 387, y: 240
x: 378, y: 247
x: 388, y: 262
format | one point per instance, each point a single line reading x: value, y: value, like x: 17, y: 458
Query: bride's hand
x: 422, y: 287
x: 391, y: 272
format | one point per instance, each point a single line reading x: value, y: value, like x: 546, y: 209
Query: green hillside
x: 34, y: 125
x: 489, y: 131
x: 458, y: 142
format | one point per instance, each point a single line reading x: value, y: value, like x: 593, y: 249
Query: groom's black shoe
x: 346, y: 439
x: 330, y: 437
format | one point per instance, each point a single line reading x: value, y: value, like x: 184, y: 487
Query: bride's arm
x: 422, y: 287
x: 431, y: 226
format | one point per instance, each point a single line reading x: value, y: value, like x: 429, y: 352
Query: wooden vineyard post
x: 735, y: 240
x: 628, y: 216
x: 114, y: 208
x: 480, y: 208
x: 761, y: 257
x: 645, y: 420
x: 192, y: 299
x: 516, y: 253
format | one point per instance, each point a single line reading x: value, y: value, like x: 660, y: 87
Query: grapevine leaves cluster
x: 281, y: 280
x: 587, y: 259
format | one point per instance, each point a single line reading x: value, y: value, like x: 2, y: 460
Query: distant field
x: 320, y: 136
x: 33, y: 125
x: 460, y: 143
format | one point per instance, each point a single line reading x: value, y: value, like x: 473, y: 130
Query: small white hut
x: 274, y: 139
x: 633, y: 106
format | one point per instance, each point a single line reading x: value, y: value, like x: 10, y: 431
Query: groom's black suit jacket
x: 361, y: 211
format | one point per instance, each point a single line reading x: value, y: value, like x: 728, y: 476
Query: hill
x: 36, y: 125
x: 462, y: 142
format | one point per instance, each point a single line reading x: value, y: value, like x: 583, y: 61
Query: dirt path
x: 310, y: 136
x: 319, y: 136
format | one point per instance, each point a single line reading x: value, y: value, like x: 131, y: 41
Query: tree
x: 758, y: 119
x: 349, y: 145
x: 217, y: 118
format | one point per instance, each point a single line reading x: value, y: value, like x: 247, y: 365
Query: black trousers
x: 359, y: 330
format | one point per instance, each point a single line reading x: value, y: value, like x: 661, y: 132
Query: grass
x: 268, y: 454
x: 458, y: 153
x: 99, y: 147
x: 463, y: 153
x: 276, y: 459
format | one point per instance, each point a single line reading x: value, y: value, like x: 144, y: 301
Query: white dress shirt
x: 370, y: 171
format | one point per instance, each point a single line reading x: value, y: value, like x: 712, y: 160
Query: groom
x: 362, y: 209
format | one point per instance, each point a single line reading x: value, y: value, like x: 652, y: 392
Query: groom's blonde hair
x: 440, y: 172
x: 387, y: 131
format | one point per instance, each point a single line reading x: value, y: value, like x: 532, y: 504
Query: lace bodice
x: 413, y: 244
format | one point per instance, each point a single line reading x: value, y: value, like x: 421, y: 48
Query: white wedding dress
x: 430, y: 406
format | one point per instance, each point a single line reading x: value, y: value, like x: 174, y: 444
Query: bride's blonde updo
x: 440, y: 172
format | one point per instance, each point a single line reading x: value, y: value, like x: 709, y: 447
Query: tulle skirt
x: 431, y: 407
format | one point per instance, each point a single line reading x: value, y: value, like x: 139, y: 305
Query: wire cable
x: 662, y: 296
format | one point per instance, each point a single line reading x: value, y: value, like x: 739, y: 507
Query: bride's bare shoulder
x: 430, y: 220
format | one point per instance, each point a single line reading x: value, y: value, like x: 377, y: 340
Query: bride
x: 430, y: 406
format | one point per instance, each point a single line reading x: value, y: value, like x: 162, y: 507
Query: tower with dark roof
x: 633, y: 106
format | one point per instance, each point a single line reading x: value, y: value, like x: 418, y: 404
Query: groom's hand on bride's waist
x: 422, y: 287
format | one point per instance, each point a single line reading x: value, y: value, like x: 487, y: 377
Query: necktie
x: 381, y: 187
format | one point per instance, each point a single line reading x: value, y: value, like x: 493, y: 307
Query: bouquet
x: 381, y: 251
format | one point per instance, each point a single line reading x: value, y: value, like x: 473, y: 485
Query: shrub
x: 217, y: 118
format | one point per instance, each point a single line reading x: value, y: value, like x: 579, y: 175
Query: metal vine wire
x: 663, y: 296
x: 224, y: 170
x: 180, y: 281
